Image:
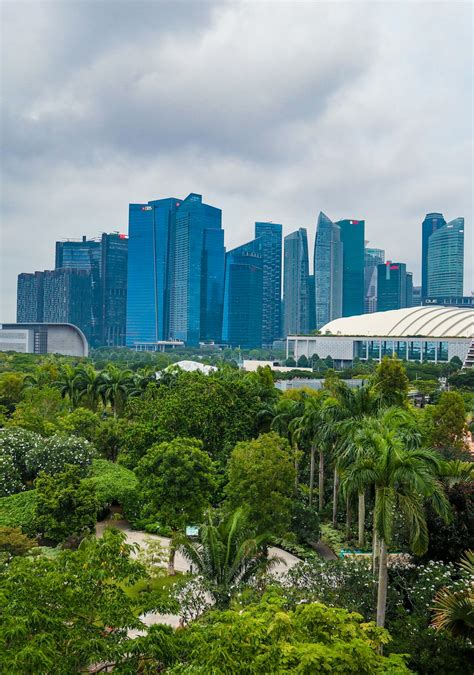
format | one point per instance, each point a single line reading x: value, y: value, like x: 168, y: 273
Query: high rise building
x: 196, y: 272
x: 409, y: 290
x: 416, y: 296
x: 373, y: 257
x: 295, y: 283
x: 114, y: 256
x: 311, y: 304
x: 68, y: 298
x: 242, y: 316
x: 29, y: 299
x: 328, y: 261
x: 271, y: 234
x: 392, y: 286
x: 431, y: 223
x: 353, y: 254
x: 446, y: 260
x: 149, y: 231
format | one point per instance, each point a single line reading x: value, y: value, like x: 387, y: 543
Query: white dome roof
x: 434, y: 321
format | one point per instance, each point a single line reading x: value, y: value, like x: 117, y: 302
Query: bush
x: 53, y: 454
x: 19, y: 511
x: 14, y: 542
x: 333, y: 538
x: 10, y: 479
x: 17, y: 444
x: 114, y: 484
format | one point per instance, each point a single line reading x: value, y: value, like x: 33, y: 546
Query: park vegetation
x: 371, y: 493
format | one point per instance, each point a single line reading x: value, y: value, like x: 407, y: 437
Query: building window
x: 429, y: 352
x: 442, y: 351
x: 401, y: 349
x: 414, y: 351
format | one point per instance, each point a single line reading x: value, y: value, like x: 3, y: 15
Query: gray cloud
x: 271, y: 110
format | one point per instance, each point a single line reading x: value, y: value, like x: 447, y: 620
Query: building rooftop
x: 436, y: 322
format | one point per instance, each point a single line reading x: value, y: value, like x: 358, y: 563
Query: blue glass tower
x: 392, y: 280
x: 296, y: 283
x: 242, y: 317
x: 431, y: 223
x: 353, y: 254
x: 446, y: 260
x: 271, y: 235
x: 147, y: 293
x: 196, y: 272
x: 328, y: 252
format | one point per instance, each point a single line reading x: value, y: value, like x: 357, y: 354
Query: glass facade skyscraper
x: 373, y: 257
x: 148, y: 270
x: 296, y: 283
x: 271, y: 235
x: 392, y: 286
x: 353, y: 257
x: 431, y: 223
x: 114, y: 257
x: 242, y: 316
x: 328, y: 260
x: 29, y: 297
x: 196, y: 278
x: 446, y: 260
x: 68, y: 298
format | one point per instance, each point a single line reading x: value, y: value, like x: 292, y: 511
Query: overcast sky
x: 270, y: 110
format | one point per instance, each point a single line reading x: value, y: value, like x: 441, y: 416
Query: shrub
x: 52, y: 455
x: 17, y: 444
x: 115, y: 484
x: 14, y: 542
x: 10, y: 479
x: 19, y: 511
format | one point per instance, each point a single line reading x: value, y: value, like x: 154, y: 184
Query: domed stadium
x: 432, y: 334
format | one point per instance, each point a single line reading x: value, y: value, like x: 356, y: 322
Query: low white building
x: 432, y: 334
x: 252, y: 365
x: 43, y: 338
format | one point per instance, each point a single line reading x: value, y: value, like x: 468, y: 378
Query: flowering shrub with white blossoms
x: 55, y: 452
x: 16, y: 444
x: 10, y: 479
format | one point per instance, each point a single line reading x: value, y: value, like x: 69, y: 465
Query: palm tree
x: 404, y: 478
x: 68, y: 384
x: 228, y: 555
x: 454, y: 610
x: 286, y: 414
x: 88, y: 381
x: 114, y: 387
x: 309, y: 430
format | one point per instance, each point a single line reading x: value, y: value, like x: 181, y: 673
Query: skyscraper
x: 392, y: 286
x: 29, y: 298
x: 311, y: 304
x: 271, y: 234
x: 446, y: 260
x: 353, y: 249
x: 431, y: 223
x: 373, y: 257
x: 68, y: 298
x: 149, y: 233
x: 114, y: 256
x: 296, y: 283
x: 196, y: 272
x: 242, y: 316
x: 328, y: 260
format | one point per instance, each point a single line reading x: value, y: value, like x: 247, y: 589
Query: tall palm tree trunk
x: 311, y: 473
x: 348, y: 516
x: 297, y: 464
x: 335, y: 492
x: 375, y: 554
x: 361, y: 516
x: 171, y: 557
x: 321, y: 480
x: 382, y: 585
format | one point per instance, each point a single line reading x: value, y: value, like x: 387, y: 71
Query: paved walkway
x: 182, y: 564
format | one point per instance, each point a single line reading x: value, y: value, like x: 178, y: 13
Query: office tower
x: 68, y: 298
x: 446, y: 260
x: 311, y: 304
x: 391, y: 286
x: 149, y: 231
x: 409, y: 290
x: 295, y: 283
x: 328, y: 260
x: 85, y: 255
x: 29, y: 297
x: 373, y: 257
x: 431, y: 223
x: 353, y: 250
x: 271, y: 234
x: 114, y: 255
x: 416, y: 296
x: 196, y: 272
x: 242, y: 316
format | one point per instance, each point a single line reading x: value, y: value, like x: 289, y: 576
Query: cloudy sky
x: 270, y: 110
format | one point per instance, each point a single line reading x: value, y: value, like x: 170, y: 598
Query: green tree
x: 11, y: 390
x: 65, y: 505
x: 68, y: 384
x: 53, y: 454
x: 390, y: 382
x: 39, y: 410
x: 446, y: 427
x: 88, y: 381
x: 261, y: 479
x: 80, y: 422
x: 303, y: 361
x: 290, y: 362
x: 115, y: 385
x: 266, y: 637
x: 14, y: 542
x: 178, y: 481
x: 64, y: 614
x: 454, y: 611
x: 404, y: 478
x: 228, y: 555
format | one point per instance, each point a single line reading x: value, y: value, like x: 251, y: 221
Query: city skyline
x: 101, y: 112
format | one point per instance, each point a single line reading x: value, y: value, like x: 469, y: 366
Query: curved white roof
x: 434, y: 321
